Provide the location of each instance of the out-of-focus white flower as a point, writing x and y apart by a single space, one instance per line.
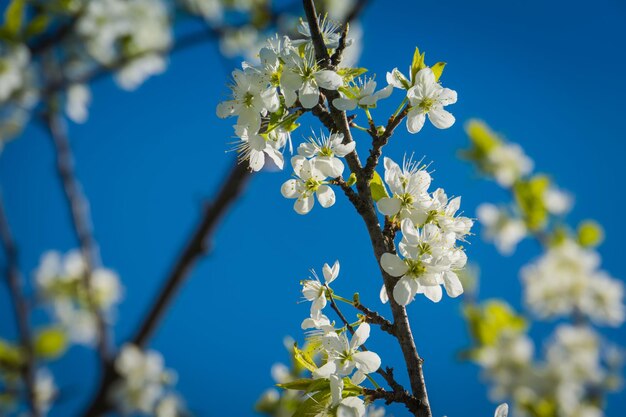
557 201
134 32
45 389
77 102
566 281
142 380
61 282
505 231
508 163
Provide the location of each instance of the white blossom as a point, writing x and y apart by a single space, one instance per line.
303 76
313 290
45 390
77 103
309 181
361 93
345 356
327 151
508 163
253 147
557 201
504 230
142 380
428 97
409 190
566 280
430 260
329 29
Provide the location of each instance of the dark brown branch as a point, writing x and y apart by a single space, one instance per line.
348 191
375 318
378 141
81 219
403 397
194 249
20 307
380 243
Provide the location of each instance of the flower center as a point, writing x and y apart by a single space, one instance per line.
312 184
415 268
427 104
325 151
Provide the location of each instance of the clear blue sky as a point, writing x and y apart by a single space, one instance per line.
550 75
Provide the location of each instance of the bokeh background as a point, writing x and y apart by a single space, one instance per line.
547 74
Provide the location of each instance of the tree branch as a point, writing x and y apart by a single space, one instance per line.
375 318
388 374
194 249
380 243
20 307
78 206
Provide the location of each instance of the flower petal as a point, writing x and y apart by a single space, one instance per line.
393 265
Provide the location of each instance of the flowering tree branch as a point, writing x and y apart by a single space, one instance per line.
78 206
381 244
20 307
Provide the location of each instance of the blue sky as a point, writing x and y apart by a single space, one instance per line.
549 75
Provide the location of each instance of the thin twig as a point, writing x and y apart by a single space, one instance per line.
375 318
20 307
78 206
388 376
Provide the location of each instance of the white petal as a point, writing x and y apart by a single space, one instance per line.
330 274
415 120
384 298
289 189
329 80
367 362
257 160
389 206
440 118
432 292
453 284
502 410
304 204
309 95
359 337
325 195
402 292
344 104
290 80
325 371
393 265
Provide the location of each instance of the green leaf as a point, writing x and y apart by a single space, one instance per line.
10 355
303 359
438 69
37 25
377 187
302 384
50 343
14 17
590 233
417 63
350 73
313 405
351 180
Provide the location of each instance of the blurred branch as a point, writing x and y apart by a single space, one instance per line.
20 306
81 218
194 249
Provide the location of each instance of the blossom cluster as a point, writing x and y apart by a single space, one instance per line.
430 230
576 368
343 357
65 283
566 281
144 384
